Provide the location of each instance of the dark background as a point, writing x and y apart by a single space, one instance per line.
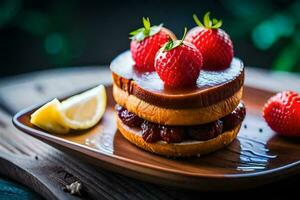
37 35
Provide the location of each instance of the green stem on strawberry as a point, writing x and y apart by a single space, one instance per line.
207 22
197 21
184 35
173 44
146 31
147 25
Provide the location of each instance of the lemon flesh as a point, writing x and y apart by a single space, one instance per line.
49 118
81 111
84 110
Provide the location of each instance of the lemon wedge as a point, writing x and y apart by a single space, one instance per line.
84 110
49 118
78 112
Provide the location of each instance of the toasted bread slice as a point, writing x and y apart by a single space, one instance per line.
183 117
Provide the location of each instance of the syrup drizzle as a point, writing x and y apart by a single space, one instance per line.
254 155
105 143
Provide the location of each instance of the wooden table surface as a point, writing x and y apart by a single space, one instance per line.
47 170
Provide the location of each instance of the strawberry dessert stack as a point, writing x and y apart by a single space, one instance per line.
181 97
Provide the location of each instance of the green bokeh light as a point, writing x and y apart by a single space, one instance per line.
54 43
34 22
269 31
8 9
288 59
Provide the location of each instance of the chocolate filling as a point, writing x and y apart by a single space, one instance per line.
152 132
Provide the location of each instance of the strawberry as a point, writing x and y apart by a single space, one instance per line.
213 42
146 42
282 113
178 63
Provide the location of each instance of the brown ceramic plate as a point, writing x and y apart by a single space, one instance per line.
256 157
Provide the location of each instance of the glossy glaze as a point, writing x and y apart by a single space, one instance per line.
123 65
254 158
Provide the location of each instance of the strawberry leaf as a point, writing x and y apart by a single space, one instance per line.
206 19
136 31
139 36
169 45
173 44
216 25
146 31
207 22
147 24
197 21
155 29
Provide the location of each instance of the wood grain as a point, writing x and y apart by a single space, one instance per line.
19 92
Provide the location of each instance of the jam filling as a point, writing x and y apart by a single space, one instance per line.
152 132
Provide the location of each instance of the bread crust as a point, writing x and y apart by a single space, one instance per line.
183 149
180 117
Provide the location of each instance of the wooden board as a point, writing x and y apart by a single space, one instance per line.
46 174
256 157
